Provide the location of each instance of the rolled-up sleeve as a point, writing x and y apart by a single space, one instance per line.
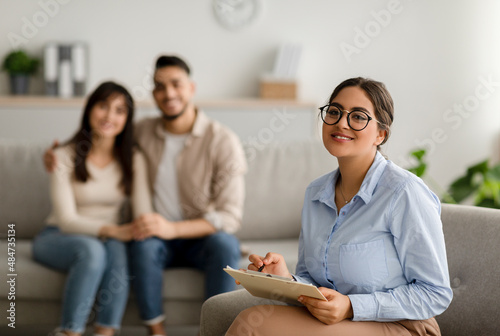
228 187
141 199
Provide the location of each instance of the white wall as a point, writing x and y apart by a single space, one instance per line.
432 55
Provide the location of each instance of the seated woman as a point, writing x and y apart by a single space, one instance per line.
371 238
96 171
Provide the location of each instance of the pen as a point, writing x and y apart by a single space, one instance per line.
261 268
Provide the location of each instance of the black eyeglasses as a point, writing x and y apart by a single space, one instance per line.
356 119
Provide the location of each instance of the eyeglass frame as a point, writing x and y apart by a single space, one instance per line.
348 116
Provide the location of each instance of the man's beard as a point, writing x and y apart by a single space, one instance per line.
173 117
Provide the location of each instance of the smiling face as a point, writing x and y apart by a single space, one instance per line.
344 142
173 91
108 117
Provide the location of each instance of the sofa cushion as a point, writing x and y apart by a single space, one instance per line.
278 175
24 191
472 237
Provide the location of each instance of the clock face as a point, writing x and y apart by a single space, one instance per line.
236 14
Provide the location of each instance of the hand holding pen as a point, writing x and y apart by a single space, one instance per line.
272 263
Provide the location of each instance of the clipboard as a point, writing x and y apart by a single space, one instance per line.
274 287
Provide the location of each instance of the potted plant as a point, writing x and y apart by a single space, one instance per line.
481 182
19 66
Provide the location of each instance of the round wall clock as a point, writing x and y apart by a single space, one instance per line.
236 14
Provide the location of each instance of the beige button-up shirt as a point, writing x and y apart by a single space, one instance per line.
210 169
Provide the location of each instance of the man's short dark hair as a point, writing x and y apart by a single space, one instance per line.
165 61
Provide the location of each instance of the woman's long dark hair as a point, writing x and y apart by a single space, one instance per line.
124 142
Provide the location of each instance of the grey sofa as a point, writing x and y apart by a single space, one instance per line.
277 177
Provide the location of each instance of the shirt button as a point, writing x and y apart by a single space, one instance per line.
343 213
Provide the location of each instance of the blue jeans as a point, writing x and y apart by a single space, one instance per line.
210 254
97 271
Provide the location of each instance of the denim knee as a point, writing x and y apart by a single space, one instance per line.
117 253
223 244
149 251
92 253
118 261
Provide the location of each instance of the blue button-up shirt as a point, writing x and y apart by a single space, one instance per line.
385 249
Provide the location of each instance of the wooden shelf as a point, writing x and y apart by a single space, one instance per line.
39 101
45 101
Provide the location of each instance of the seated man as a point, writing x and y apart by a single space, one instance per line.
196 168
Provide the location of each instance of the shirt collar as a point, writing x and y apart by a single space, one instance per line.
200 125
372 177
326 193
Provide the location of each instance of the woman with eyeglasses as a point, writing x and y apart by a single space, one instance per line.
371 236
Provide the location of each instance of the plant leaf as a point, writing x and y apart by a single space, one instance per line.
481 168
421 166
488 203
418 170
421 170
462 188
418 154
494 173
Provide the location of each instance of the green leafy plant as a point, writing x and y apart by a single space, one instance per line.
19 63
481 181
421 166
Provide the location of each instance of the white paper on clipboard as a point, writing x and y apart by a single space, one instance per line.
270 286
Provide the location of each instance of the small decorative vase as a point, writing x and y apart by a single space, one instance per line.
19 84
